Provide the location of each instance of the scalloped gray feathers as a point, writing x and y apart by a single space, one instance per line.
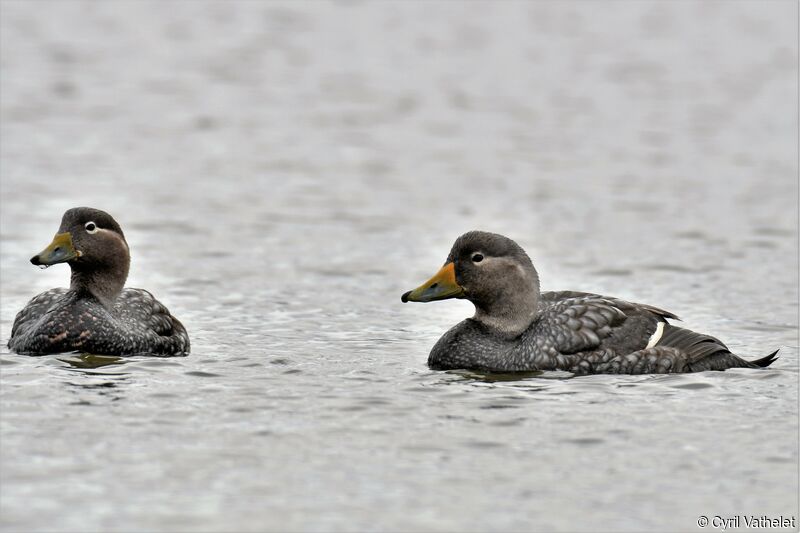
586 333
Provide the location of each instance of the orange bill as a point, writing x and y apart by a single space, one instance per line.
441 286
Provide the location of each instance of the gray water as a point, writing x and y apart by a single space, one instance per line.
285 171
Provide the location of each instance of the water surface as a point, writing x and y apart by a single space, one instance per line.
284 172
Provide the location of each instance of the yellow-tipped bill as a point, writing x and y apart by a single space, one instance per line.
441 286
60 250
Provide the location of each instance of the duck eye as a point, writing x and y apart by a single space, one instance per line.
91 227
477 258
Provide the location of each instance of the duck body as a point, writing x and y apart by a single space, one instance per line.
586 334
63 320
95 314
516 328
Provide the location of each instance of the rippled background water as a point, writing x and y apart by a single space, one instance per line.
284 171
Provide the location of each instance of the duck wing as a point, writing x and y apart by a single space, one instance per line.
30 315
139 310
580 322
598 334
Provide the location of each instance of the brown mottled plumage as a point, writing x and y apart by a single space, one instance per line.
517 328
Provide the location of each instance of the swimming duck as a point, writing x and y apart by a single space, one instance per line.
517 328
96 314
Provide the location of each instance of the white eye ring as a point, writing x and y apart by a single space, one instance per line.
91 227
477 257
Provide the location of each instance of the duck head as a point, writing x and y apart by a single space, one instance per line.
495 274
93 245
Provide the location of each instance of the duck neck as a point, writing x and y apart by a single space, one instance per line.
513 312
105 284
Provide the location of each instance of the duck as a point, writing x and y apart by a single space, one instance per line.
96 314
517 328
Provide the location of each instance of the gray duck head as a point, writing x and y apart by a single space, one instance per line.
93 245
495 274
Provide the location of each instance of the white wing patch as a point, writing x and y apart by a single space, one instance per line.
656 336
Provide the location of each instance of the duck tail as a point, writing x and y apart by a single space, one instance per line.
705 352
766 360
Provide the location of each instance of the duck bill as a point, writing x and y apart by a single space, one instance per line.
440 287
60 250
